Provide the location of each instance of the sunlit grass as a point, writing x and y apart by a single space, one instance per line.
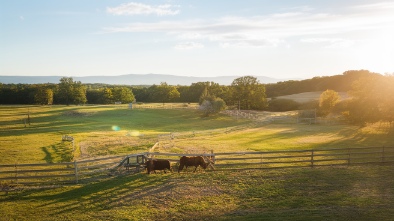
332 193
137 130
92 127
359 193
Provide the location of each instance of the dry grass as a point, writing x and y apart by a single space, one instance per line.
310 96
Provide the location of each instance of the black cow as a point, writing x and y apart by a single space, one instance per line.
158 164
192 161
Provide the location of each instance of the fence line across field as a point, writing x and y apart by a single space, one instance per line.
87 170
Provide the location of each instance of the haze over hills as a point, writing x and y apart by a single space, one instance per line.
132 79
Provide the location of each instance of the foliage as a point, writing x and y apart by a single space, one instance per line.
336 82
123 94
71 92
248 93
211 105
43 95
161 93
327 101
371 101
282 105
309 105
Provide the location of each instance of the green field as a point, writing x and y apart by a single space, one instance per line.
330 193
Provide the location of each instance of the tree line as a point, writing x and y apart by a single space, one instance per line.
247 92
371 94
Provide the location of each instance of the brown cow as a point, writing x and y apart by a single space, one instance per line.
192 161
158 164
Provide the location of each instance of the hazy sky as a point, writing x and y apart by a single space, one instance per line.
280 39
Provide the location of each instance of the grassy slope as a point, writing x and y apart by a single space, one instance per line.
358 193
309 96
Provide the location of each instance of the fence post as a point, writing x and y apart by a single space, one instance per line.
16 173
76 171
212 157
261 161
312 162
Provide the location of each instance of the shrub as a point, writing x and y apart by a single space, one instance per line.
212 106
282 105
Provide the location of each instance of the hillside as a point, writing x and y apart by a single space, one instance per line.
309 96
341 82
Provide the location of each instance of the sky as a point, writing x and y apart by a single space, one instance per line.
279 39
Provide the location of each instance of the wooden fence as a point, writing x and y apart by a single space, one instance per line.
292 158
87 170
57 173
304 158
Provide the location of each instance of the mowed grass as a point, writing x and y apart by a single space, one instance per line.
338 193
321 193
105 130
116 130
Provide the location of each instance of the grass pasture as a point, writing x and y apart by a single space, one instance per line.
322 193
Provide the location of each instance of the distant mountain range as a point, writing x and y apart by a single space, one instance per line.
132 79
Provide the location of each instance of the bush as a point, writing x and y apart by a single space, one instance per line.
309 105
212 106
282 105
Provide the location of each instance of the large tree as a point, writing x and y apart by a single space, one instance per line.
371 100
328 100
248 93
123 94
71 91
43 95
163 93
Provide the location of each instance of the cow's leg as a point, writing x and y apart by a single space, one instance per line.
180 167
195 169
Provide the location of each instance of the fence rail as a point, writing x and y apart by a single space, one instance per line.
86 170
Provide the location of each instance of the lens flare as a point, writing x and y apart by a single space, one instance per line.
116 128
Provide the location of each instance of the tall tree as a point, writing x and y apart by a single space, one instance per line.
66 90
107 96
79 93
71 91
371 100
248 93
328 100
43 95
165 93
123 94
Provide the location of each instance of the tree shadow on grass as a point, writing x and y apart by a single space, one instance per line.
355 193
102 195
56 153
335 193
